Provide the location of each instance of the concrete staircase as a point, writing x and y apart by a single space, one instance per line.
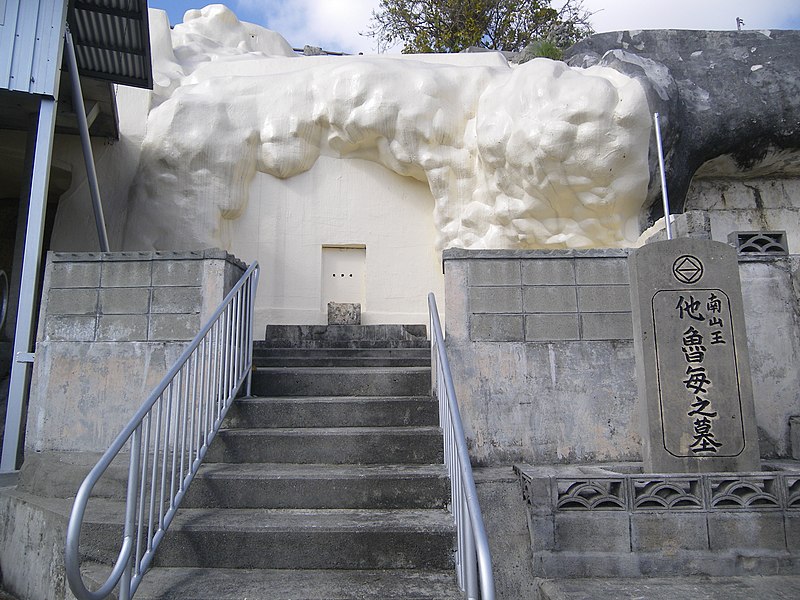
327 485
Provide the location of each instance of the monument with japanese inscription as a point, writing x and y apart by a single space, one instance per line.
692 363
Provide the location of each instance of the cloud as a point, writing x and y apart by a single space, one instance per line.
335 24
693 14
330 24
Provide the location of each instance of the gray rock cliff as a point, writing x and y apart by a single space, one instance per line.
729 94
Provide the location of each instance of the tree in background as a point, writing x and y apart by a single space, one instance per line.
453 25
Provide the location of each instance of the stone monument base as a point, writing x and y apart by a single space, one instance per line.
615 521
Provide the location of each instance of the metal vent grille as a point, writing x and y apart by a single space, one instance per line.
759 243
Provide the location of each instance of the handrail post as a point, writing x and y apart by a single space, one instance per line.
130 510
470 562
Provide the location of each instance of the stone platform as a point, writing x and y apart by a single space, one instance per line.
345 336
615 521
670 588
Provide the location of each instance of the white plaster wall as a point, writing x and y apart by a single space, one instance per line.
116 162
339 202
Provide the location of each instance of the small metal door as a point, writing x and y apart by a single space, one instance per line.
343 270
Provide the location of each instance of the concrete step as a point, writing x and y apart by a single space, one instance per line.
318 486
164 583
671 588
335 445
296 539
345 336
313 360
333 411
341 381
341 357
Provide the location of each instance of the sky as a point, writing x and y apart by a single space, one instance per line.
335 24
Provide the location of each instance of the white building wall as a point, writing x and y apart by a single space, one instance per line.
339 203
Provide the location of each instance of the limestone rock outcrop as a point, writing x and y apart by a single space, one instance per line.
729 100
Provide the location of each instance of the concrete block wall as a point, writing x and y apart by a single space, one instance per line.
542 356
556 296
132 296
110 327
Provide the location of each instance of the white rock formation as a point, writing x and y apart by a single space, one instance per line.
534 156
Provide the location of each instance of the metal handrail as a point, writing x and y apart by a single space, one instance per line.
169 436
473 558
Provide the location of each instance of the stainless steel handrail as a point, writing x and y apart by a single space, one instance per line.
169 436
473 558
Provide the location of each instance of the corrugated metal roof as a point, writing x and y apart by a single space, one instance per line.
112 40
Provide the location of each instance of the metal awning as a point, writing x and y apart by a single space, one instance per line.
112 40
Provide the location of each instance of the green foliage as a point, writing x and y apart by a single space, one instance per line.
453 25
541 48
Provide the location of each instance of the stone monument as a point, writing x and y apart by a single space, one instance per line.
692 363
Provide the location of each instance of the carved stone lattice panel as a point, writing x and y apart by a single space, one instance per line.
526 483
668 493
591 494
717 492
759 243
792 491
745 492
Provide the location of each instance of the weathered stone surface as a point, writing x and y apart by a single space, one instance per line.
495 299
497 328
125 301
692 363
122 328
663 532
505 521
719 93
753 201
344 313
669 588
606 326
604 532
103 346
541 383
754 530
548 328
771 310
177 272
614 521
176 300
794 432
692 223
75 274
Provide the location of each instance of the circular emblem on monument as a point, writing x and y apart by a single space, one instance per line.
687 269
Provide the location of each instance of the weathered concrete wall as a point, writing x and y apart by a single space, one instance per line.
754 204
111 326
32 539
543 363
772 315
504 516
542 358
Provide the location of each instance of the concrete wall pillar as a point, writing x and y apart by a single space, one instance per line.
111 325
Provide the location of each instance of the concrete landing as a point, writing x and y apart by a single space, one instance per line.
344 336
672 588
